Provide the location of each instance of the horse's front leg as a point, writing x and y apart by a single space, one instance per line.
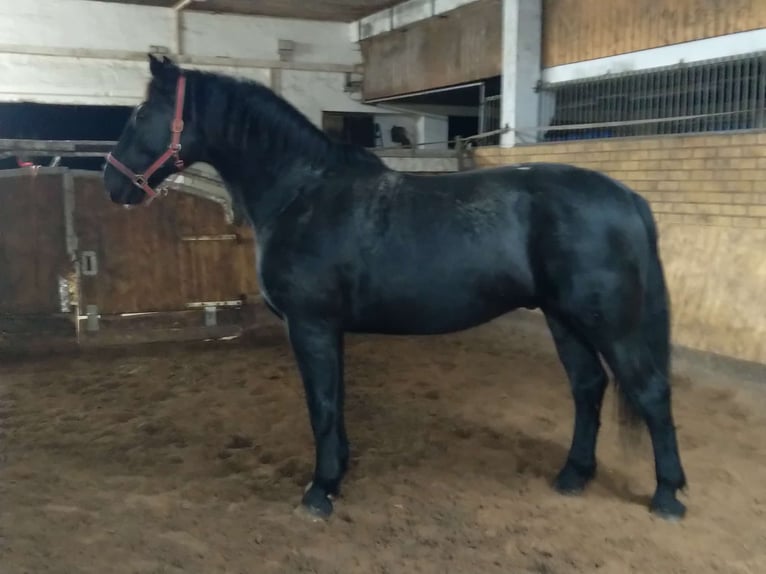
318 349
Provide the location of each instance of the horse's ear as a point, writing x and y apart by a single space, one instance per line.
162 68
156 64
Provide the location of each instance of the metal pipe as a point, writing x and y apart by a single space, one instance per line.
482 107
181 4
424 93
178 26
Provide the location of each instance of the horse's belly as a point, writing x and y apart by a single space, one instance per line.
419 324
435 310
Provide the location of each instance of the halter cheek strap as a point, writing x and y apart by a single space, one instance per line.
141 180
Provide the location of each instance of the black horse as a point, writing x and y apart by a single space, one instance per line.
347 245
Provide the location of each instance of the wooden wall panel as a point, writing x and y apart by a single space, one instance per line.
32 244
461 46
214 270
577 30
144 262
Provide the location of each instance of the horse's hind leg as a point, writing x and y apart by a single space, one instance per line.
643 381
588 382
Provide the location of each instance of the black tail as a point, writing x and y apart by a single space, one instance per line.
654 328
655 323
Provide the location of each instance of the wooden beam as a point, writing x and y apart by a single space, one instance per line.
68 148
124 55
460 46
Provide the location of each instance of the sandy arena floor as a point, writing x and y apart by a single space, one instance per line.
191 459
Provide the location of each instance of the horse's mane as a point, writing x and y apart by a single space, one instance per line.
249 115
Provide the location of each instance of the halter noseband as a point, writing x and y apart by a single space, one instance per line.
141 180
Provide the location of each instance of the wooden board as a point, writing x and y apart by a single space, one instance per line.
145 263
33 251
459 46
577 30
214 267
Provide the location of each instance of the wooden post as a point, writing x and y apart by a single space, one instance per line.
459 147
276 80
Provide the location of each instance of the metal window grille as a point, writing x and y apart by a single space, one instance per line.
714 95
490 119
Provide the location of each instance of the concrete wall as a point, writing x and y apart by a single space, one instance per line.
522 41
421 129
707 192
407 121
84 52
433 132
313 92
401 15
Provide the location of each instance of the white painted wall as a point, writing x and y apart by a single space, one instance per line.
387 121
83 24
130 27
91 81
522 47
736 44
315 92
401 15
87 52
421 128
433 132
238 36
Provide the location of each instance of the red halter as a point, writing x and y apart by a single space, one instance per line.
141 180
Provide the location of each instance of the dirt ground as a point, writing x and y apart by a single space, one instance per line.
192 457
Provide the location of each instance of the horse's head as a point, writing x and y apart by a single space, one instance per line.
158 140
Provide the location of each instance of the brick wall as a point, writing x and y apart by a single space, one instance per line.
708 194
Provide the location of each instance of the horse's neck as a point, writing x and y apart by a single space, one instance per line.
258 185
265 174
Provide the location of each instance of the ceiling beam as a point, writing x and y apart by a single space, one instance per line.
321 10
125 55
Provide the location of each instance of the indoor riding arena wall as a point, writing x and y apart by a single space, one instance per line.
707 194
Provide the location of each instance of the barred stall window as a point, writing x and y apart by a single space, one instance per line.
489 112
714 95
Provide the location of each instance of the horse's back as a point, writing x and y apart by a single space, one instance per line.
573 238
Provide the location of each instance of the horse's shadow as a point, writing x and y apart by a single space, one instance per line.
390 433
400 435
394 432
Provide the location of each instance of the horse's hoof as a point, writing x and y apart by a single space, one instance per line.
571 481
305 513
665 505
317 503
